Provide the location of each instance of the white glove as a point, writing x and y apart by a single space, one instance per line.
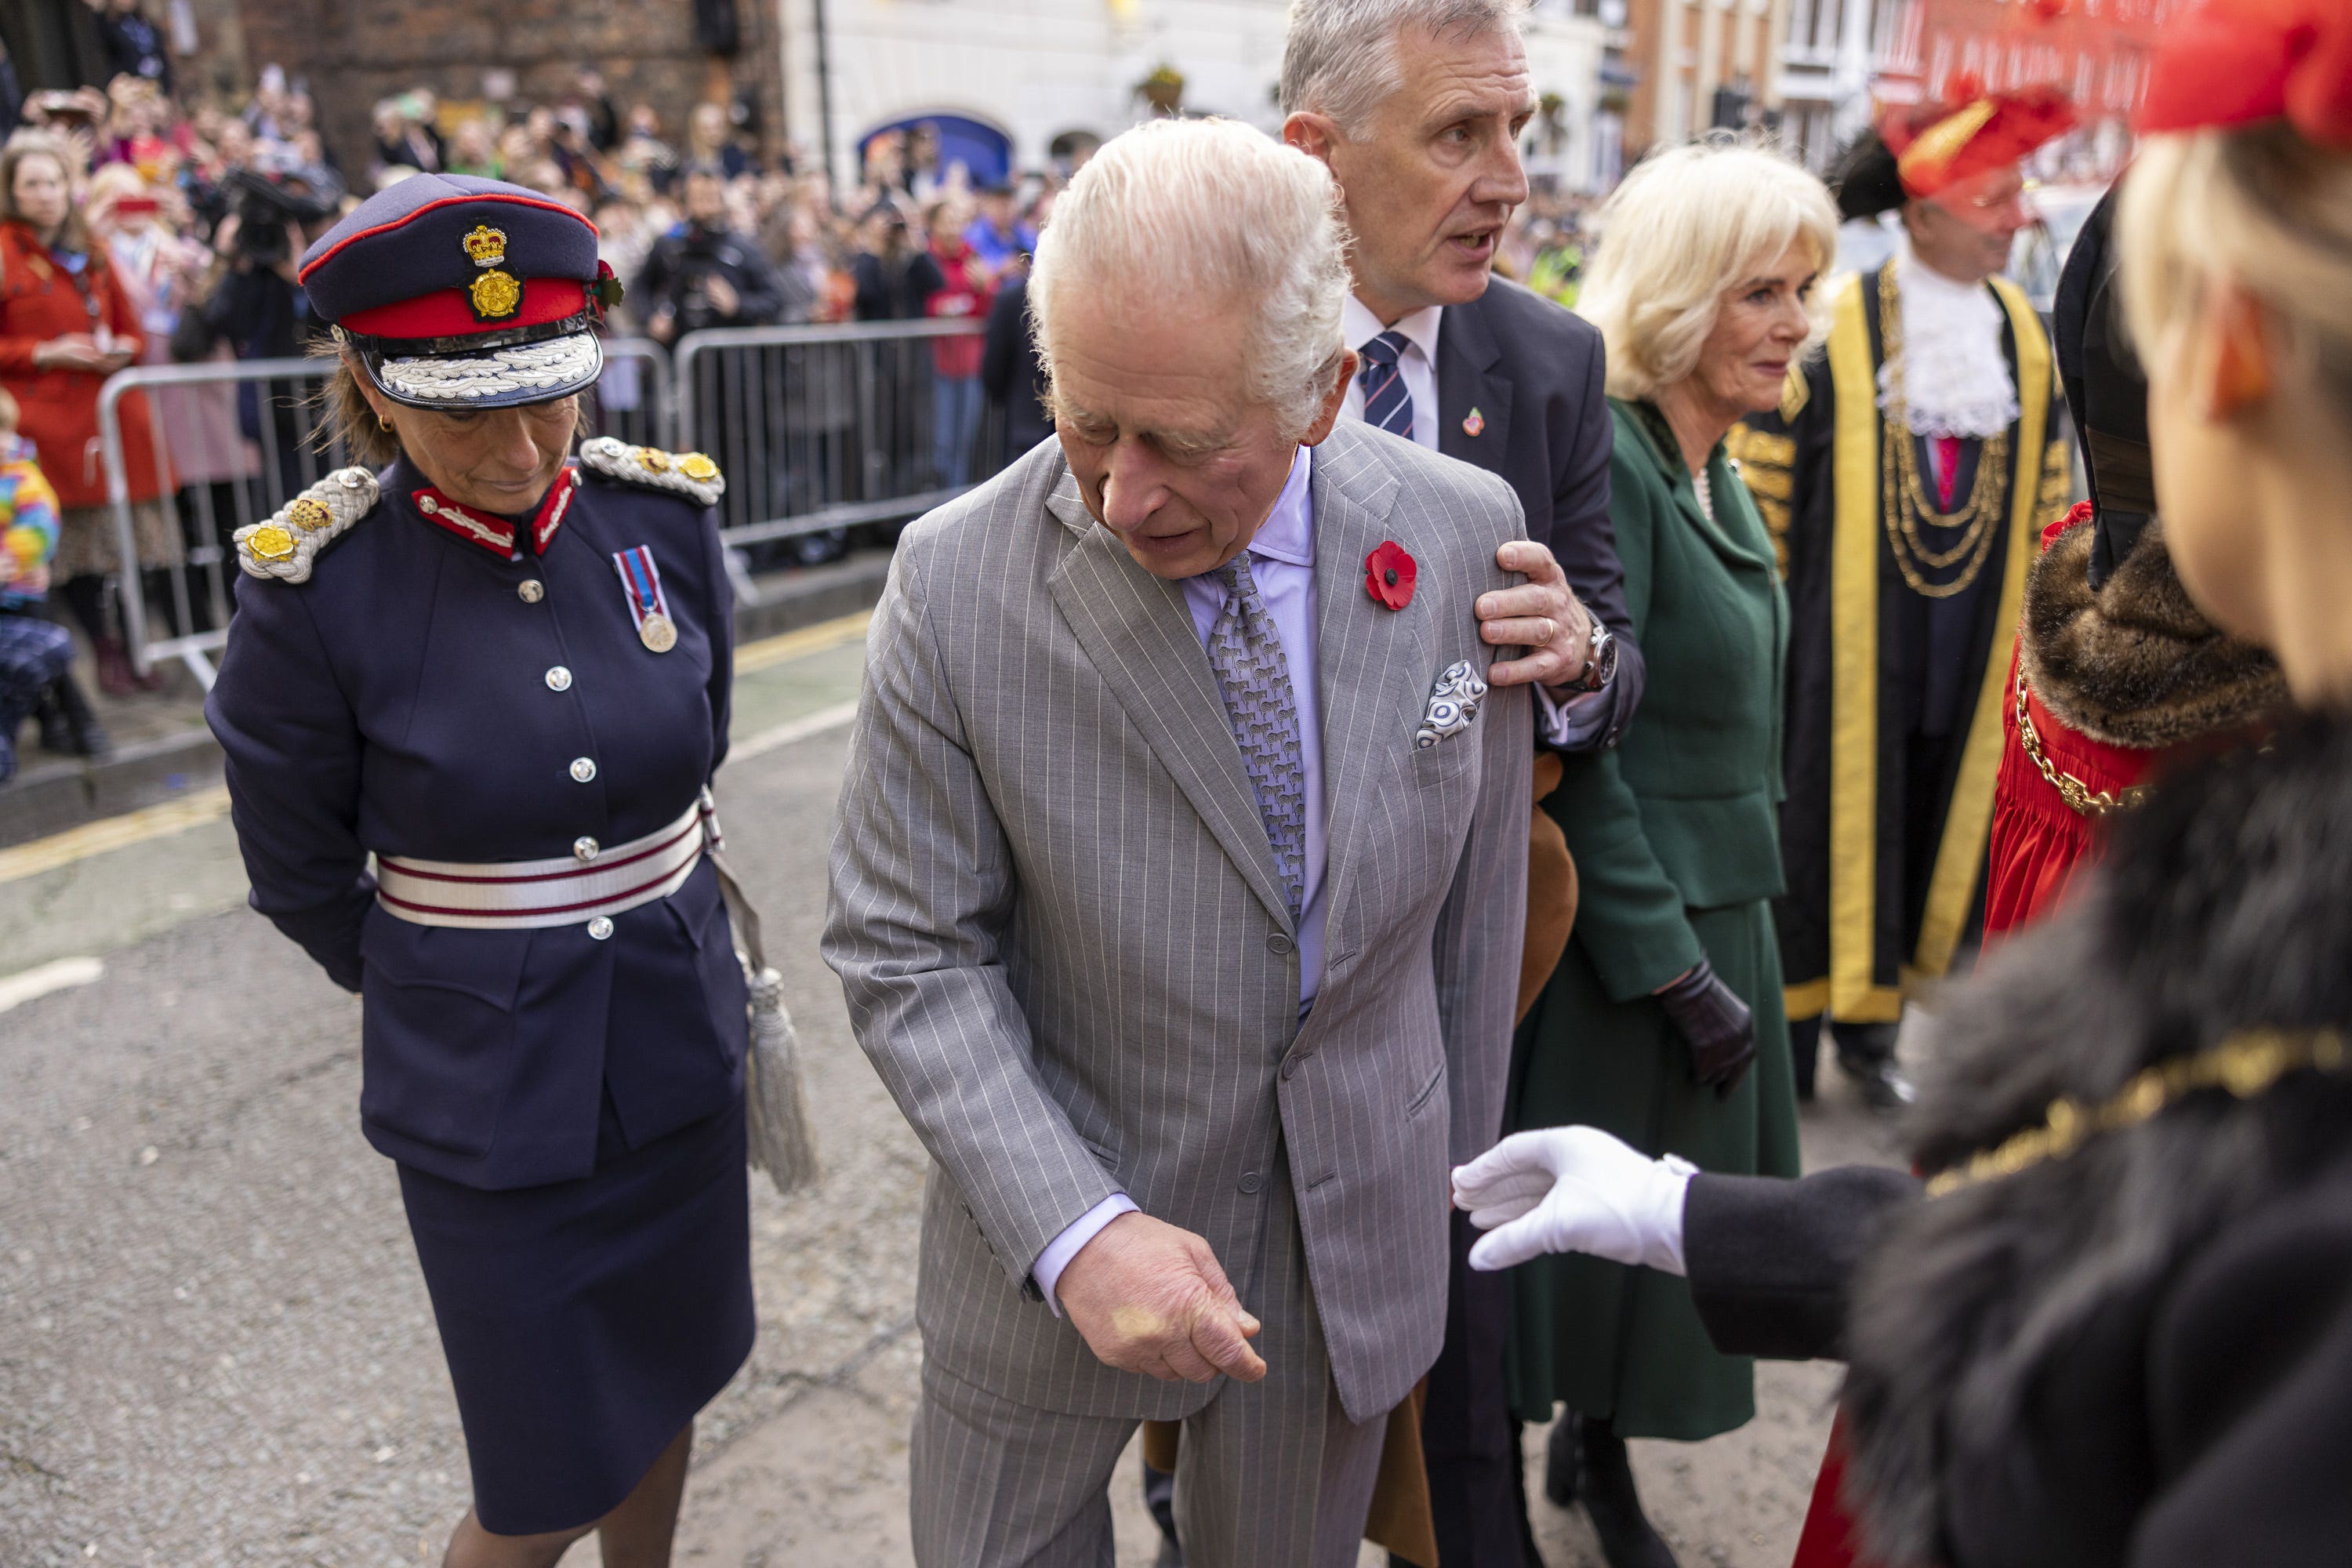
1574 1189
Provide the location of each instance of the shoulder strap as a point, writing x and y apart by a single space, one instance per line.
690 475
285 545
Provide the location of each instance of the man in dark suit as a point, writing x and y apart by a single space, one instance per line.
1421 129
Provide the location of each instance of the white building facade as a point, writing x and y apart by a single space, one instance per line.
1042 71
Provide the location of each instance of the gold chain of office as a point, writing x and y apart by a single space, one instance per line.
2084 800
2246 1064
1903 505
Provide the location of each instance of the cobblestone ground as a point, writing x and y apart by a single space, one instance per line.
214 1348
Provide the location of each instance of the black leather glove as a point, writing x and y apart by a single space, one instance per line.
1715 1024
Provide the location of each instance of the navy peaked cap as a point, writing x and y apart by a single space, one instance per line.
409 241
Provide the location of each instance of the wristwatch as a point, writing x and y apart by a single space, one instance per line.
1600 659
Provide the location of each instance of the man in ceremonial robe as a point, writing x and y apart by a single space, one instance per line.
1905 477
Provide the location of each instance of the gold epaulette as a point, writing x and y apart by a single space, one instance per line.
689 474
285 545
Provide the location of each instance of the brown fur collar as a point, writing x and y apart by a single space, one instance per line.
2136 664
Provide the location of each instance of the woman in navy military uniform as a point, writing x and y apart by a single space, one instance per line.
508 682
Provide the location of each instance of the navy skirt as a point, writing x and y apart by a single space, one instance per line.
587 1321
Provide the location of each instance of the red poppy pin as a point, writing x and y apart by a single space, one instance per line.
1388 575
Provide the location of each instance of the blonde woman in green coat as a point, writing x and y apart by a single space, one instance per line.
1662 1023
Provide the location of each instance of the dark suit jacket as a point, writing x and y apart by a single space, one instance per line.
1532 374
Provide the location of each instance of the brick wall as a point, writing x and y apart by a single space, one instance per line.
355 52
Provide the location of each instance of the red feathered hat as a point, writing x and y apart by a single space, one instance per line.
1939 145
2234 62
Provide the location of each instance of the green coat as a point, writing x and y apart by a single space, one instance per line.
1676 845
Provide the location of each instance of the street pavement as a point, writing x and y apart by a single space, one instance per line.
214 1346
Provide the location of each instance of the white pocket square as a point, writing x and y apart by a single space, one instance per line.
1453 703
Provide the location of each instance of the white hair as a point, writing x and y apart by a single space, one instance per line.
1208 210
1686 224
1340 57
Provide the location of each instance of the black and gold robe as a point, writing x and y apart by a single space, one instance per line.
1893 697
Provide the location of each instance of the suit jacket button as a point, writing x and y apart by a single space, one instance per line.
583 770
601 927
1280 945
1289 1069
1250 1181
528 591
584 849
559 680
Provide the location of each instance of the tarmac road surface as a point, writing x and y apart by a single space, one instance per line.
214 1347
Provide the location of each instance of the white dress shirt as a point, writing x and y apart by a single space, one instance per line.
1282 564
1417 364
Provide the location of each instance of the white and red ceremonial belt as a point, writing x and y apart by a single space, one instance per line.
519 895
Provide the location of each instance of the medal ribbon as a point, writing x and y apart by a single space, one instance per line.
641 583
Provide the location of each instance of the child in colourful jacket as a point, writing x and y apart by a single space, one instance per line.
34 651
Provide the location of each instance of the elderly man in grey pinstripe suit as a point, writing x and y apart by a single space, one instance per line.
1179 879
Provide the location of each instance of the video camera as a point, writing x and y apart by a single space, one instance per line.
266 204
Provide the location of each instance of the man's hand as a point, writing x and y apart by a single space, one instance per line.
1150 1297
1541 615
722 295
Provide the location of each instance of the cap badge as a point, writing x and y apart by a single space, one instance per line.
494 295
486 246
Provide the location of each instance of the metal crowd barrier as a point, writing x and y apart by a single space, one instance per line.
245 436
820 430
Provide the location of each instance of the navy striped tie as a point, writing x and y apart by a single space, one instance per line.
1388 401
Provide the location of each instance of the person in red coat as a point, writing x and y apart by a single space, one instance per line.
2117 674
65 326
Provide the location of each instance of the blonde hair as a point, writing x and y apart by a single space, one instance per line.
1210 204
9 412
2263 206
1684 226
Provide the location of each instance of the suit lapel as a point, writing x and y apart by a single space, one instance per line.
1467 380
1370 659
1139 635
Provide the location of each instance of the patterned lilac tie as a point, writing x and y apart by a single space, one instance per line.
1388 401
1246 653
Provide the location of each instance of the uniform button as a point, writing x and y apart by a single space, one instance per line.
530 591
584 849
1250 1182
559 680
600 928
1280 945
582 769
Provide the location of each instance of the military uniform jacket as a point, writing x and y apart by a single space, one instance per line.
421 695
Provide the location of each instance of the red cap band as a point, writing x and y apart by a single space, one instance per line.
449 312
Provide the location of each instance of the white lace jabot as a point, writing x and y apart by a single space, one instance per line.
1955 378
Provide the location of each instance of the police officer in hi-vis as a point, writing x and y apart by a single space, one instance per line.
506 678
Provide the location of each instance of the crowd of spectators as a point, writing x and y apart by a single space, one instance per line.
174 223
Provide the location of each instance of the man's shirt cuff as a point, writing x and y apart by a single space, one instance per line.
1574 723
1047 1271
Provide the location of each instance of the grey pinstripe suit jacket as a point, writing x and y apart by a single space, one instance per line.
1067 947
